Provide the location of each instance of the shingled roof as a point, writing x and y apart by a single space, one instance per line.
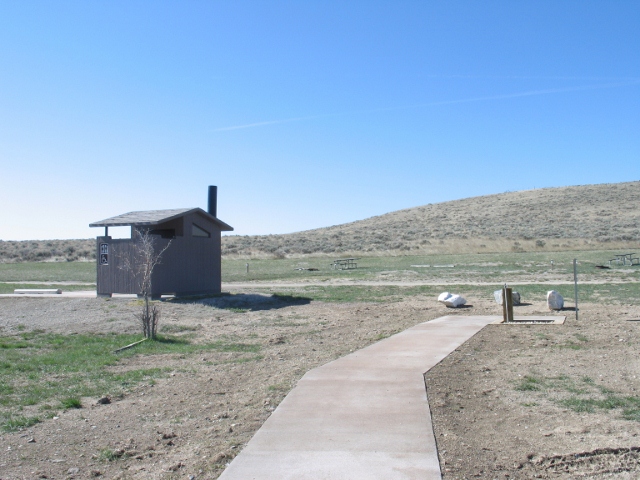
156 217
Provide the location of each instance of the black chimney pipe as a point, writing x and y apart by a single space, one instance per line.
213 200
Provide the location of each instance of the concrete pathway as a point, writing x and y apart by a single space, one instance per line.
363 416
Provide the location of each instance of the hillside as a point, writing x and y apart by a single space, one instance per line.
47 250
580 217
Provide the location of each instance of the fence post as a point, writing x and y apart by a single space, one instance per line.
575 285
507 304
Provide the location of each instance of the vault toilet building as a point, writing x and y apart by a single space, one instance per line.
191 265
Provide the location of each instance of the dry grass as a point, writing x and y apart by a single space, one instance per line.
47 250
552 219
586 217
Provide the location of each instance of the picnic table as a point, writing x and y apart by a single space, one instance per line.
345 263
622 258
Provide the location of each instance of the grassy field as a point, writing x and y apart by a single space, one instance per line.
525 271
34 272
46 275
628 293
53 372
473 267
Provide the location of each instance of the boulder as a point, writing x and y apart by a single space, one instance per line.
554 300
498 297
451 300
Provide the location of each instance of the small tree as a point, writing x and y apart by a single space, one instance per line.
143 261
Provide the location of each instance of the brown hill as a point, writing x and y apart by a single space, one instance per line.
580 217
13 251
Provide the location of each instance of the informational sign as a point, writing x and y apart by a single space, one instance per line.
104 254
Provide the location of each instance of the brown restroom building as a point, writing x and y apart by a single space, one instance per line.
191 265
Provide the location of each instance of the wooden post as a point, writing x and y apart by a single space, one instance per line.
507 304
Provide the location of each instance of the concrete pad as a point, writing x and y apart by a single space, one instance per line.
363 416
37 291
535 320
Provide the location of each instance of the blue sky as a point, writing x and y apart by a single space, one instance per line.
306 113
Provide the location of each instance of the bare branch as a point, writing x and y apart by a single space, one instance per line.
141 263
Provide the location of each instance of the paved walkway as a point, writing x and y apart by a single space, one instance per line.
363 416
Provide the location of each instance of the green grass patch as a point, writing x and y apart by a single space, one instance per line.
37 368
173 328
48 272
12 424
529 383
222 346
630 405
70 402
582 396
278 387
108 455
476 266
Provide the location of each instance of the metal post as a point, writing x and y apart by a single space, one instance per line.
247 268
504 304
575 285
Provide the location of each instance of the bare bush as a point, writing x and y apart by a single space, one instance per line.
143 261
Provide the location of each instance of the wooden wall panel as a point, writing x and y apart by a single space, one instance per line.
191 265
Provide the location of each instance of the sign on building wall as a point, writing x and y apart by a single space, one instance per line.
104 254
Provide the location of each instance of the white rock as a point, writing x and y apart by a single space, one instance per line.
554 300
497 295
451 300
443 296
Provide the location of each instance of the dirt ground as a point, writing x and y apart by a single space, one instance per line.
496 401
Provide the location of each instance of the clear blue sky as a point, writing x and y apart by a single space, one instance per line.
306 113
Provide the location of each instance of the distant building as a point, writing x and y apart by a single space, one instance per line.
191 265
